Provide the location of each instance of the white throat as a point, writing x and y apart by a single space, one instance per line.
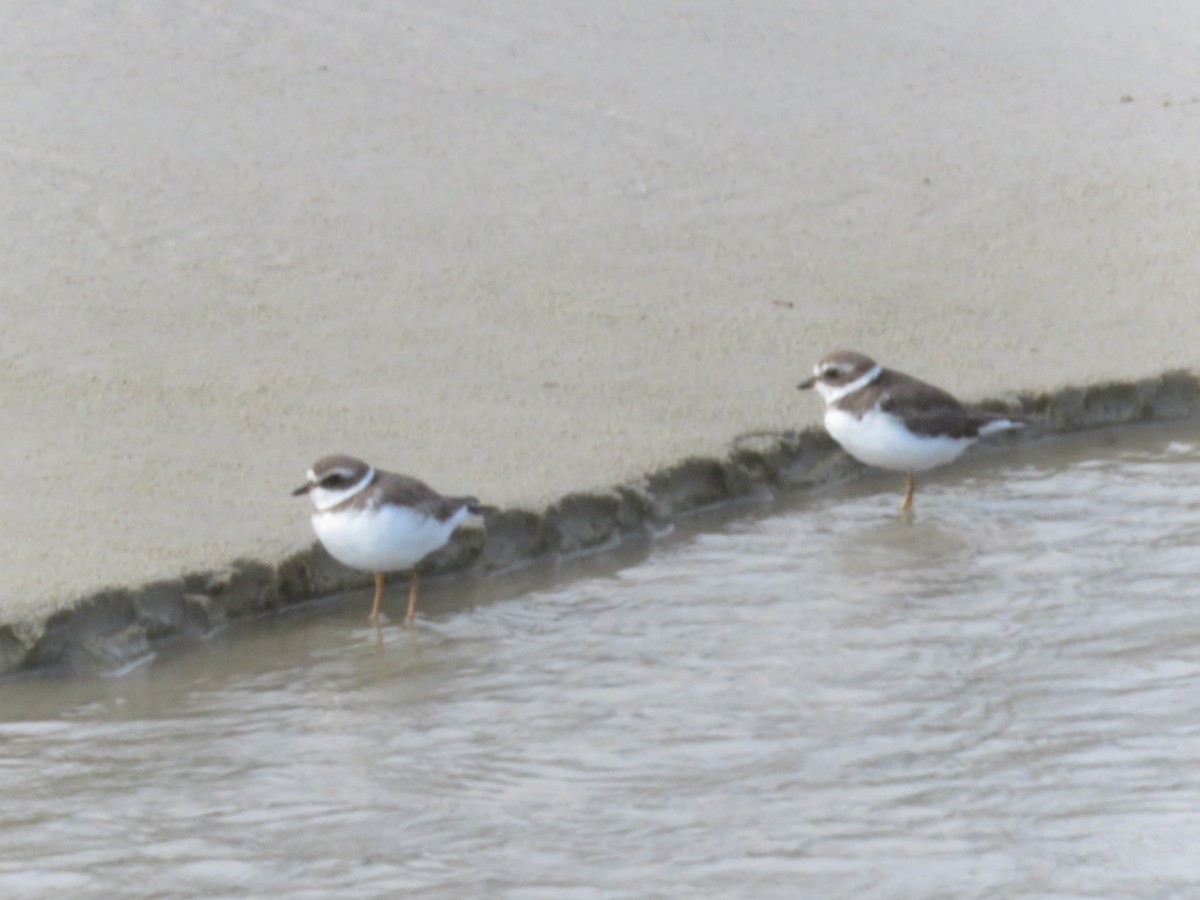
833 394
324 498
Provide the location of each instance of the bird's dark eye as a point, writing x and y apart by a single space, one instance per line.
335 480
831 374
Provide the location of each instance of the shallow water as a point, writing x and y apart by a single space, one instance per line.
807 698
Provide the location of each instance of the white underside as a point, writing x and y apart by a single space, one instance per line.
383 539
880 439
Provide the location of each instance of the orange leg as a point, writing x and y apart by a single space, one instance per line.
909 487
412 597
378 596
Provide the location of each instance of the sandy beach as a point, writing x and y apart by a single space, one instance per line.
521 250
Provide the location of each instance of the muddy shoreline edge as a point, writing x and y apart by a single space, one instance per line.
114 627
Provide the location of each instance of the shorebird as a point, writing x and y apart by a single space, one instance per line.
378 521
891 420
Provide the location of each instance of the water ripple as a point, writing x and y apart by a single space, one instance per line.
1000 699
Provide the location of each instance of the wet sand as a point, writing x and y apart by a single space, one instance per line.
523 256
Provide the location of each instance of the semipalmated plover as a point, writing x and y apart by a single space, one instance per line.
894 421
380 522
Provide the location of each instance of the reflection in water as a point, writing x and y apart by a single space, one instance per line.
1001 699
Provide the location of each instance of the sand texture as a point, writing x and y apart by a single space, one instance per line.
522 251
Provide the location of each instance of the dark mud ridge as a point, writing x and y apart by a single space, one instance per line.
114 628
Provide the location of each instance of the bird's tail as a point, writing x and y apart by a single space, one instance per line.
475 508
1000 423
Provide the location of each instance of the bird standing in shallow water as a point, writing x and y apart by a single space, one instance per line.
378 521
891 420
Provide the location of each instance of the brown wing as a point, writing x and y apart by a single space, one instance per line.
420 496
927 409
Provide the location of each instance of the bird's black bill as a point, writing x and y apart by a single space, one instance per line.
303 489
807 385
